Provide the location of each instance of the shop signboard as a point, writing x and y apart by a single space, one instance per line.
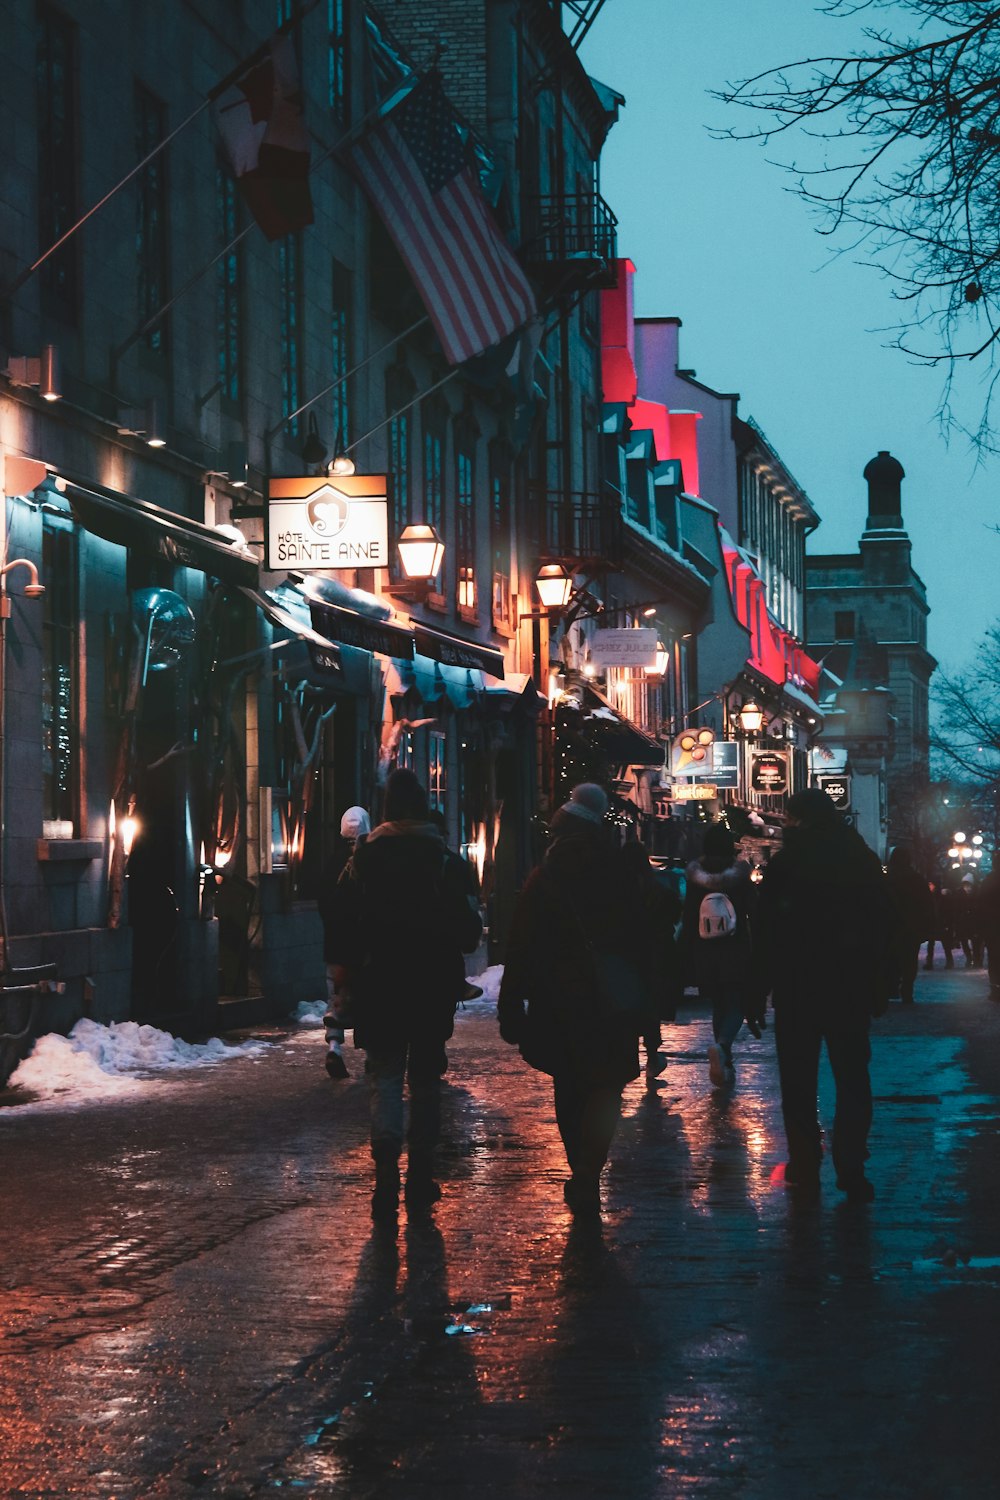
838 789
623 648
319 524
769 771
695 791
725 764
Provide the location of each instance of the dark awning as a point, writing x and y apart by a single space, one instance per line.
183 542
622 741
456 651
363 631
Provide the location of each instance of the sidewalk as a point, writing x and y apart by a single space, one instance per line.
194 1303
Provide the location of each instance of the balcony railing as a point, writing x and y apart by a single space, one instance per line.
569 229
576 526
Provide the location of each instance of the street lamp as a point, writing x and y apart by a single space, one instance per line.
751 717
554 585
421 552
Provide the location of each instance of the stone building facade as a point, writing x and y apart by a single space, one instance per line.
874 597
221 712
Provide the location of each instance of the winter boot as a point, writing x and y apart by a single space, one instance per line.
421 1190
335 1064
385 1199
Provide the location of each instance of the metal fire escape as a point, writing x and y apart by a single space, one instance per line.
583 13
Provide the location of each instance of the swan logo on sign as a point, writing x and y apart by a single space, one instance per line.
328 511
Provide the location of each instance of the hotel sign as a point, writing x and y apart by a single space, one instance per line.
320 524
623 648
769 771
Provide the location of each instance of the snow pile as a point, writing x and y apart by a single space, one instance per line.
97 1061
310 1012
489 982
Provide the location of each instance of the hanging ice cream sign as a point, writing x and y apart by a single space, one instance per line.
314 522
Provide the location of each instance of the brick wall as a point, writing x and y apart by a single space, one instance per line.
461 25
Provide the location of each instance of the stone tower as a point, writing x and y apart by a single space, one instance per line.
875 594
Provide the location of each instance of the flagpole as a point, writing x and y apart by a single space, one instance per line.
543 312
210 97
155 318
421 396
272 432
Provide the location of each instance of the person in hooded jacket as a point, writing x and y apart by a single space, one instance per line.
824 948
719 965
569 917
654 910
911 898
403 919
355 825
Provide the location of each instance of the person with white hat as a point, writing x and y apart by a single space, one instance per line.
355 826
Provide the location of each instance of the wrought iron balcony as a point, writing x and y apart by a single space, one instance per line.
568 231
576 526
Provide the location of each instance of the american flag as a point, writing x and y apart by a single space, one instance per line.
414 167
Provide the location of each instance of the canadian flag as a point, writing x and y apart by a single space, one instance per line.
264 132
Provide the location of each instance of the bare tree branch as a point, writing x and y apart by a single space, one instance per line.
905 142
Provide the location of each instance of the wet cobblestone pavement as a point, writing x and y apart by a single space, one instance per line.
193 1303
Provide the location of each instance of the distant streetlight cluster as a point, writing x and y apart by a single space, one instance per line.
965 851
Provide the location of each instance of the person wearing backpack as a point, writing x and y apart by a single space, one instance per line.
715 940
825 942
572 942
355 826
403 917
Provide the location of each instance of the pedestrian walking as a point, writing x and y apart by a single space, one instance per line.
355 825
989 926
823 948
940 929
967 931
911 899
715 940
403 918
572 996
656 909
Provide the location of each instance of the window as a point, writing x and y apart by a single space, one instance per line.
501 539
228 287
433 423
340 350
465 516
60 748
55 114
290 272
336 59
437 772
399 390
843 625
151 215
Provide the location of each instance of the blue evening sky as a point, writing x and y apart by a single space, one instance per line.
768 310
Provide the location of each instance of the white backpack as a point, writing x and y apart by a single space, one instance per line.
716 916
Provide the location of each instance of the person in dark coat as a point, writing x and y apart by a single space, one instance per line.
941 927
403 918
354 826
966 915
823 948
989 926
911 898
719 965
567 919
655 909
